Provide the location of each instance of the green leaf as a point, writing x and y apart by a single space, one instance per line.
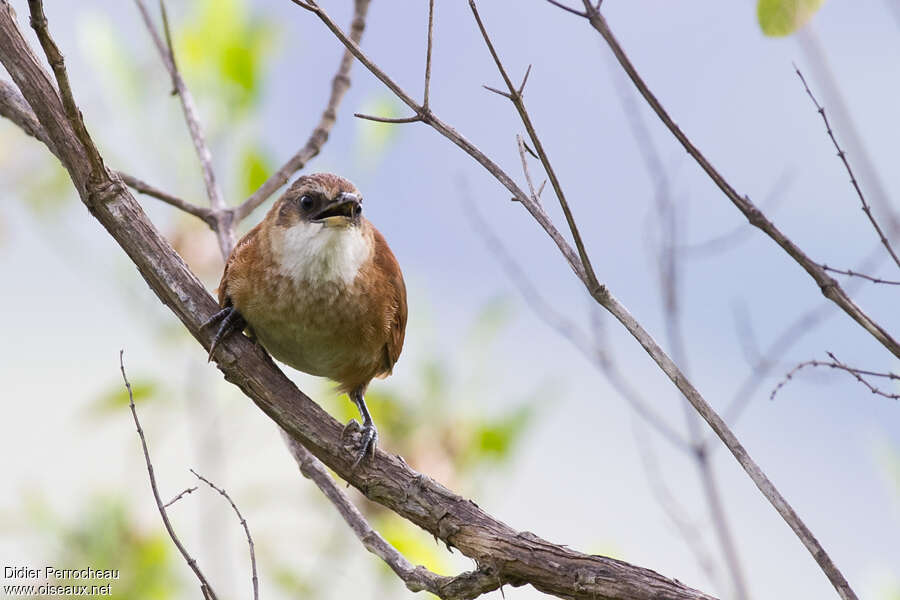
117 397
778 18
255 169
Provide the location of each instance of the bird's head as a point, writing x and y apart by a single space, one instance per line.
319 201
316 230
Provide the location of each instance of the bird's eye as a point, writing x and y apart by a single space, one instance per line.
306 202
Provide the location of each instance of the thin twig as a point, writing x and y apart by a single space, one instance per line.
413 119
339 85
669 262
417 578
843 156
243 522
204 584
15 108
852 273
189 490
834 363
145 188
224 229
515 96
568 9
830 288
565 327
428 55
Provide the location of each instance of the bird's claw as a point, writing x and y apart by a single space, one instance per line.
367 440
231 321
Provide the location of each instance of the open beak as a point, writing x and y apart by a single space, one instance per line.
343 211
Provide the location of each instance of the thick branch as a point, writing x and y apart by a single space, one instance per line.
386 479
462 587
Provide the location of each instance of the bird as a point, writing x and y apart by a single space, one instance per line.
316 284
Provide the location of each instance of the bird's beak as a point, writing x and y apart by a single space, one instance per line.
343 211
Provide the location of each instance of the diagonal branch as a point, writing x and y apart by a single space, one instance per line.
605 298
515 96
417 578
339 86
14 107
517 556
830 288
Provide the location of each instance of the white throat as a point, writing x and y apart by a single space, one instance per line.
313 253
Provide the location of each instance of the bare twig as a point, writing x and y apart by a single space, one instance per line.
428 55
189 490
205 214
204 584
339 85
243 523
830 288
224 227
515 96
843 156
565 327
669 279
417 578
396 120
603 296
834 363
14 107
852 273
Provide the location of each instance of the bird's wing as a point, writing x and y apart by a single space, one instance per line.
396 306
237 256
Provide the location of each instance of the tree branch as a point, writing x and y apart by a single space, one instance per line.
462 587
224 230
603 297
254 579
830 288
204 583
339 86
843 156
515 96
516 556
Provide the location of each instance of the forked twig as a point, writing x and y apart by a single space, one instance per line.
243 523
204 584
843 156
834 363
417 578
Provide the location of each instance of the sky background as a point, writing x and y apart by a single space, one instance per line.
72 299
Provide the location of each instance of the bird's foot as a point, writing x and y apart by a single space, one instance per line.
368 438
231 321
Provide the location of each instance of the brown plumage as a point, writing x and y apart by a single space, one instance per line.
320 289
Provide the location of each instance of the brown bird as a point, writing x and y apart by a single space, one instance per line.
317 285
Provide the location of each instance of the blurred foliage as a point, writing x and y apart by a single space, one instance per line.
105 535
255 167
225 48
116 397
778 18
374 137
